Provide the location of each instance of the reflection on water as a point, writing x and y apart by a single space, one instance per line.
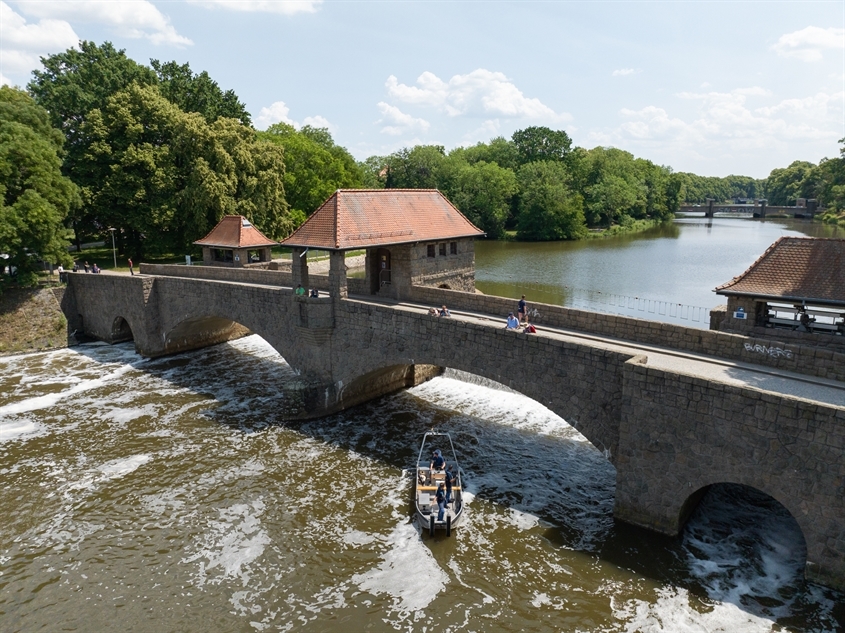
677 263
169 495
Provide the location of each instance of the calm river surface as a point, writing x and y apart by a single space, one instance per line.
665 274
168 495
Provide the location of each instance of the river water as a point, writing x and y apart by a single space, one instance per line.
665 274
169 495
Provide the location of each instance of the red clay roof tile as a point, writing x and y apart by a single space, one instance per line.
795 269
235 231
361 218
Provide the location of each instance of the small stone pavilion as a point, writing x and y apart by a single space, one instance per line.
798 284
236 243
410 236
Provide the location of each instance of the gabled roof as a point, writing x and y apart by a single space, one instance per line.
235 231
361 218
795 269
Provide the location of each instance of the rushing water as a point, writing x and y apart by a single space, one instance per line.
170 495
666 274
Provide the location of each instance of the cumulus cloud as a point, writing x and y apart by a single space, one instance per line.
129 18
399 122
22 43
481 93
278 113
622 72
726 122
809 43
284 7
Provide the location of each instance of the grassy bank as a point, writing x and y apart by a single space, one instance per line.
635 226
31 320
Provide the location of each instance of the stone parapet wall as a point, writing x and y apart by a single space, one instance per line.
813 361
679 434
219 273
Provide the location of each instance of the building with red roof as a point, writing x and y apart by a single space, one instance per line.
410 237
235 242
798 283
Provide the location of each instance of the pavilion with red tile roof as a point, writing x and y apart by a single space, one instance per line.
236 242
410 237
796 278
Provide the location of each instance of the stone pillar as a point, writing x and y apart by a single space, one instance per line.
709 212
299 267
763 208
337 275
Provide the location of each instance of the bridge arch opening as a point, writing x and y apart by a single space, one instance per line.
199 332
736 532
121 330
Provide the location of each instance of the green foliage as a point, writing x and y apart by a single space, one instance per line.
541 143
785 186
315 166
483 192
697 189
198 93
417 168
548 208
34 196
164 177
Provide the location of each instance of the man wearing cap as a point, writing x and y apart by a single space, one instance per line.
437 461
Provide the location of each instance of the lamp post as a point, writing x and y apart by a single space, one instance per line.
113 249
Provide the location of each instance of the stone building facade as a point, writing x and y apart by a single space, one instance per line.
236 243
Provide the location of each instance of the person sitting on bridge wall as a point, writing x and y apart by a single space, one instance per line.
314 293
299 290
513 322
432 312
444 312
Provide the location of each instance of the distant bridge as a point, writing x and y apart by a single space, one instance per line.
675 409
756 210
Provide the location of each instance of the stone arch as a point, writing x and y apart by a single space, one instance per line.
755 493
445 286
121 330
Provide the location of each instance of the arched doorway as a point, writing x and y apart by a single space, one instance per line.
380 274
120 331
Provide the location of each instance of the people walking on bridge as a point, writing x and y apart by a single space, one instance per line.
513 322
521 310
131 270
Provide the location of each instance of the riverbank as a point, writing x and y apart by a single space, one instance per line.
31 320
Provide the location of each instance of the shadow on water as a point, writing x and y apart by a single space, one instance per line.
559 478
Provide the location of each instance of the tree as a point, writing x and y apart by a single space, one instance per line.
549 209
198 93
34 195
541 143
483 193
165 177
417 168
785 186
314 166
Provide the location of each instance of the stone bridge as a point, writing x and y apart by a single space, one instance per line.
674 409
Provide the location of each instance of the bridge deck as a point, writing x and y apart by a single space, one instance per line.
716 369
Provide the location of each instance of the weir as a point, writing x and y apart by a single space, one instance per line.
670 430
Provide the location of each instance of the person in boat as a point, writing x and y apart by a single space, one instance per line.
450 479
440 497
437 461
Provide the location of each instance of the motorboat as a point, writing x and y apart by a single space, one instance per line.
429 476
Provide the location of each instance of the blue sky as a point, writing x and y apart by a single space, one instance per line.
709 87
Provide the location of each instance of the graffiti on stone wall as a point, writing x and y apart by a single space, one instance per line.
774 352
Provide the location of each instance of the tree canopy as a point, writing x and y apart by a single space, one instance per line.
35 196
165 177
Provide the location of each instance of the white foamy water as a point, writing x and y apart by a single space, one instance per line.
173 486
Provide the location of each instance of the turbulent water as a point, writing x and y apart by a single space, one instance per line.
169 495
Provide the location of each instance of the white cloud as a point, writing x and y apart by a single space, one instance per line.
319 121
724 123
481 93
808 44
129 18
4 81
285 7
276 113
399 122
21 44
622 72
